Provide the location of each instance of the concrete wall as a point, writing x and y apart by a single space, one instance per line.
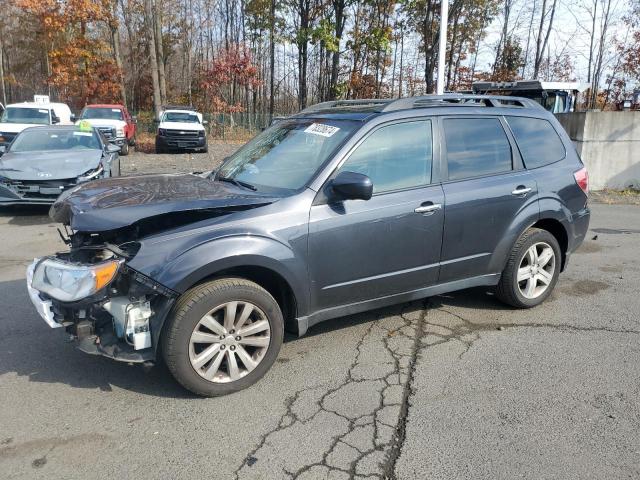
609 144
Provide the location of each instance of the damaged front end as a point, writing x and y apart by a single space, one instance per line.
109 308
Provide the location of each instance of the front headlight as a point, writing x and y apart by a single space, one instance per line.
119 132
69 282
91 174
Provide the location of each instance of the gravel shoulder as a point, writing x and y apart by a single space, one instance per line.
137 163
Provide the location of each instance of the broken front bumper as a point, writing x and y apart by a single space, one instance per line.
124 326
17 192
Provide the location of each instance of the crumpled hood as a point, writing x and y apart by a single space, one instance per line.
181 126
118 202
48 165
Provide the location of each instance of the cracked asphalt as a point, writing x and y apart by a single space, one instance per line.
453 387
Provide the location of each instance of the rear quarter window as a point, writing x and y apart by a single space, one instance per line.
476 147
537 140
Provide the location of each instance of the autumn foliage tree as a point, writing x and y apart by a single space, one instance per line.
80 64
230 74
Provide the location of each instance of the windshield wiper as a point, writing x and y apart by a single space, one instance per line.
238 183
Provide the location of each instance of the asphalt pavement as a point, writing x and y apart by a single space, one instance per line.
453 387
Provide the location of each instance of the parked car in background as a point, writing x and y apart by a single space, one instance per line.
342 208
181 128
43 162
114 122
18 116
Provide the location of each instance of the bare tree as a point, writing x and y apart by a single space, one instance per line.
543 37
153 56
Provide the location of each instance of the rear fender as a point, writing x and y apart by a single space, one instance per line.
522 221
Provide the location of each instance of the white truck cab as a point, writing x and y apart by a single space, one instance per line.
181 128
18 116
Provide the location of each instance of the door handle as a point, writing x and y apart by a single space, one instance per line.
521 190
428 209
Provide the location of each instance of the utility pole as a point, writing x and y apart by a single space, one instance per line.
442 47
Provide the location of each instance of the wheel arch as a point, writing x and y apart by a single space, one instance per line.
269 263
557 229
269 279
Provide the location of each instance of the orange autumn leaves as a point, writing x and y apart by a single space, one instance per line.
80 61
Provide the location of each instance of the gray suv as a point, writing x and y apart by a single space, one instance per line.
344 207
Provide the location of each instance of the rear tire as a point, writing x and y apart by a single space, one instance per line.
532 270
222 336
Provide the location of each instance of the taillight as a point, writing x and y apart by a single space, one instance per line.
582 179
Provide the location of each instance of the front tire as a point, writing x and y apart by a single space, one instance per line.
222 336
532 270
124 149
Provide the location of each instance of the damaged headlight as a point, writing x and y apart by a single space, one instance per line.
91 174
68 282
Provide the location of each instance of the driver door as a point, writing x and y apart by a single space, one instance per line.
361 250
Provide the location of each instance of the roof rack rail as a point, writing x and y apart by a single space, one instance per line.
446 100
367 102
462 100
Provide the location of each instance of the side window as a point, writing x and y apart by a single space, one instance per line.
475 147
395 157
537 140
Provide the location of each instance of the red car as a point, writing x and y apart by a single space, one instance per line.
115 123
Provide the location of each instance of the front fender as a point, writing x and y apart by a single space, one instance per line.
206 259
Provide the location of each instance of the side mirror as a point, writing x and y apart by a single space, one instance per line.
204 122
72 118
352 186
55 119
111 148
3 149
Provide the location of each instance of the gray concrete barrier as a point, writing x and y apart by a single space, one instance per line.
609 144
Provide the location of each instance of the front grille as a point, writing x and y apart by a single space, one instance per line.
108 132
7 137
39 189
177 134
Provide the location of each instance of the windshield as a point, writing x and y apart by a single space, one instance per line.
180 117
38 139
287 155
101 114
26 115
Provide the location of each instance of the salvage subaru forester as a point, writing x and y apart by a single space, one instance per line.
344 207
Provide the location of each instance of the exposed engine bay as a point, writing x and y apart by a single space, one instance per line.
120 320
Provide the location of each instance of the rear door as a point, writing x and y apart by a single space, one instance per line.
486 188
360 250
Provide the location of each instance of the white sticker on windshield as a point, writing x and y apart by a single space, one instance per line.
115 109
321 129
83 134
43 111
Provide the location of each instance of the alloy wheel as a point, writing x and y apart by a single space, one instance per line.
229 341
536 270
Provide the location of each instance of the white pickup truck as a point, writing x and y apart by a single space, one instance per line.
18 116
181 128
